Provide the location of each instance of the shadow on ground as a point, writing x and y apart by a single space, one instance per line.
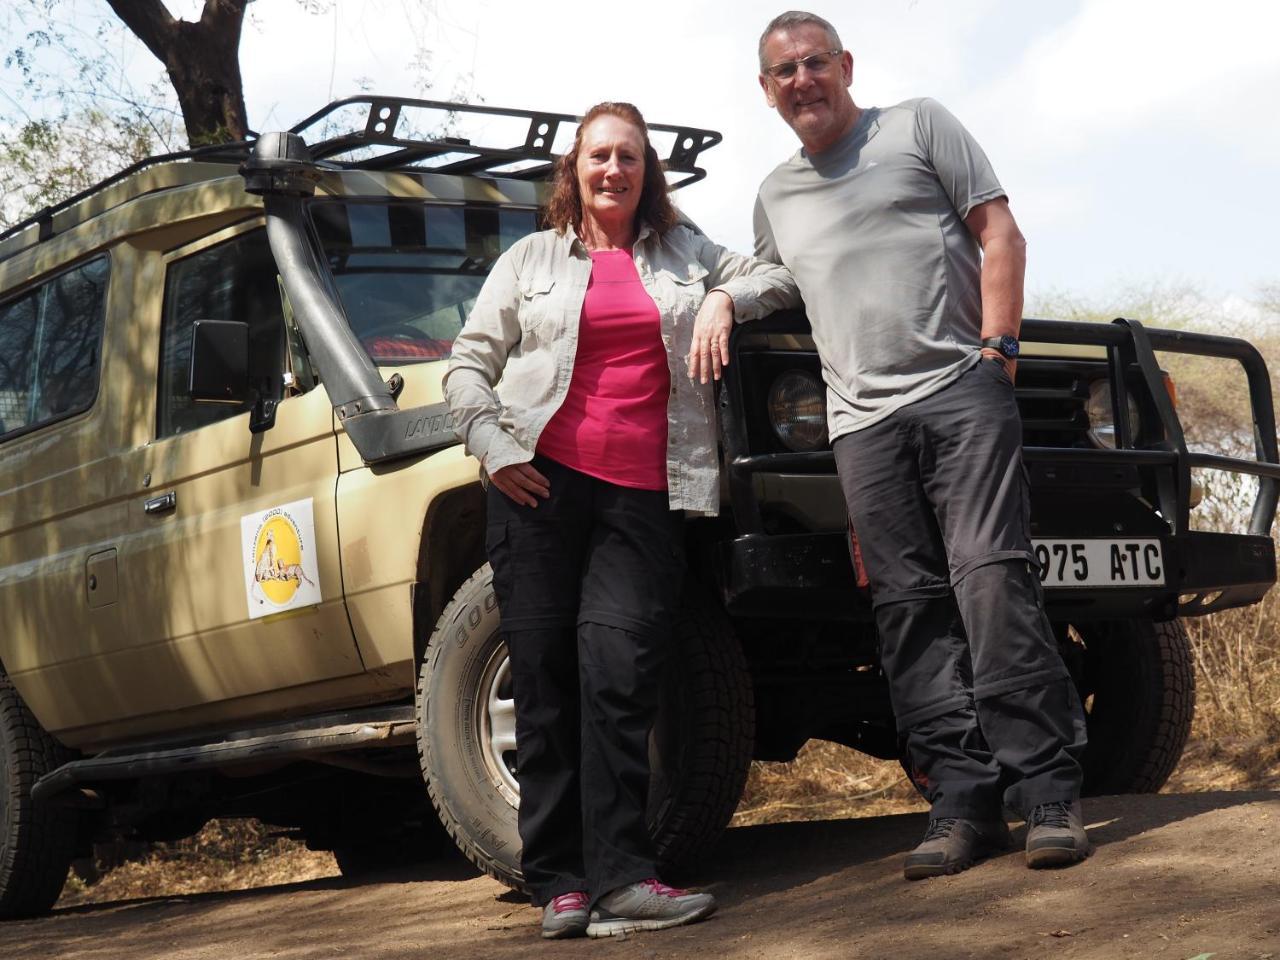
1173 876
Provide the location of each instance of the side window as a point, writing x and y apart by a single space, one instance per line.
51 347
235 280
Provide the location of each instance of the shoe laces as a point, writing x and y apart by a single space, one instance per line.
656 886
573 900
940 828
1050 815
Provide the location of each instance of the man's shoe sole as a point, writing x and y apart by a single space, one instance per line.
925 871
623 925
1046 858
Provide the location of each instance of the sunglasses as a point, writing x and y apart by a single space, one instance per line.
815 63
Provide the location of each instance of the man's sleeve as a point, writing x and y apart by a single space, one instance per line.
963 169
766 247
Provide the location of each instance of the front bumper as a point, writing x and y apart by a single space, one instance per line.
1077 492
809 576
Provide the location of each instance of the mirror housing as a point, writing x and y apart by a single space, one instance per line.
219 362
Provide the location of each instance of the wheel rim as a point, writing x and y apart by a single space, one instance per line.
496 716
497 723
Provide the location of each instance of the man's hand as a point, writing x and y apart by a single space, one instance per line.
1010 366
520 481
709 352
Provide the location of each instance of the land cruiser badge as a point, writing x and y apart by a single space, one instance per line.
278 546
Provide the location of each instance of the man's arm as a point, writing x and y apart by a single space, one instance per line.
1004 264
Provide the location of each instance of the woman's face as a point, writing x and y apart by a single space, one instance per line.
611 169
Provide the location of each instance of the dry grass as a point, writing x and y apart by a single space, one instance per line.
1237 655
225 855
826 781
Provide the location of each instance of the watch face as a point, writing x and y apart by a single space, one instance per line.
1009 346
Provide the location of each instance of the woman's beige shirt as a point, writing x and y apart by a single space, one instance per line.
523 331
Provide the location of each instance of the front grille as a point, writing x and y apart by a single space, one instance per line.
1051 394
1051 398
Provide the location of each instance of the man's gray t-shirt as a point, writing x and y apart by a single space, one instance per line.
873 230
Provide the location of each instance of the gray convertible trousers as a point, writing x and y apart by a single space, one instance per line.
939 499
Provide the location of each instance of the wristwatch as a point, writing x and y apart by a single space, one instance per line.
1006 345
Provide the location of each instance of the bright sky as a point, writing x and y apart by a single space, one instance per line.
1136 138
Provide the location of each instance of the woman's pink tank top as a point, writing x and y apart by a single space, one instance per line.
613 422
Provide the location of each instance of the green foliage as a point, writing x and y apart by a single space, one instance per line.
70 114
45 161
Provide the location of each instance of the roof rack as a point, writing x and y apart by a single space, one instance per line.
235 151
386 124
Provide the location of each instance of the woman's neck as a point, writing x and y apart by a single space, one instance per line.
597 234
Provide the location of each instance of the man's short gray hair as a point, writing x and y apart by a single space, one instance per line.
796 18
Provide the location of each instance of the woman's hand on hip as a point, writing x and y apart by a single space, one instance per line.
520 481
709 352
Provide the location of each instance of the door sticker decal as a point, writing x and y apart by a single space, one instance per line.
280 571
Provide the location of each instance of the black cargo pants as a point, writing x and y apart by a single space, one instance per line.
586 584
940 502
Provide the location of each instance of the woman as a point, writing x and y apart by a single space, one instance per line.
596 446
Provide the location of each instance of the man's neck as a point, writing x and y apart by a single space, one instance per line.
827 142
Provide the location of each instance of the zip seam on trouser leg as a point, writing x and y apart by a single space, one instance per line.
1037 678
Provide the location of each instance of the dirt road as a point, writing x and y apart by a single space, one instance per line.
1174 876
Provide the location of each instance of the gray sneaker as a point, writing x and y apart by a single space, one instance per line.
565 916
952 844
647 905
1055 835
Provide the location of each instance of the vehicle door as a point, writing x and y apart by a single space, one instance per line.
233 574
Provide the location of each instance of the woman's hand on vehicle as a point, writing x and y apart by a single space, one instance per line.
709 352
520 481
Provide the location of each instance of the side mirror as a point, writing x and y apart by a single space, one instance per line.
219 361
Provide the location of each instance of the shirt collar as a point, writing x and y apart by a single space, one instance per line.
570 237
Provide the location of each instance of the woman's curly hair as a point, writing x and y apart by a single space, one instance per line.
565 206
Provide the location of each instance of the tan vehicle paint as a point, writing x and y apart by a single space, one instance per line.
167 645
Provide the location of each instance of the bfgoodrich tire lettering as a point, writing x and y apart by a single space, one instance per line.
37 842
699 752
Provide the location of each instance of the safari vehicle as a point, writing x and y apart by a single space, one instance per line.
241 558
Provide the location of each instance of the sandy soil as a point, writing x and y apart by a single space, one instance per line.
1174 876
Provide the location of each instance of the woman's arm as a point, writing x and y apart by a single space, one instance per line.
479 357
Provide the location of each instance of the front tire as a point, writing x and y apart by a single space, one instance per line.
1136 680
37 841
700 747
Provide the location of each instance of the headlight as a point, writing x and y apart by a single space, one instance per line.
1102 422
798 411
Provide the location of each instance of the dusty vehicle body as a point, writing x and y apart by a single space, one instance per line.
241 550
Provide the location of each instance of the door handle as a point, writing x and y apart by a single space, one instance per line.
161 504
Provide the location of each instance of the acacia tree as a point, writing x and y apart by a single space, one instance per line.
70 116
202 60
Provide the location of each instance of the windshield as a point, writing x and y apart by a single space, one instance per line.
407 272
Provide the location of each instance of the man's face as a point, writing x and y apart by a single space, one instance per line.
815 104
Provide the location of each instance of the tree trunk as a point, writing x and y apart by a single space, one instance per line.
202 60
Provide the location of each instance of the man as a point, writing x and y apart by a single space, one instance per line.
911 268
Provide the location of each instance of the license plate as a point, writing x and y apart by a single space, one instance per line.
1100 563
